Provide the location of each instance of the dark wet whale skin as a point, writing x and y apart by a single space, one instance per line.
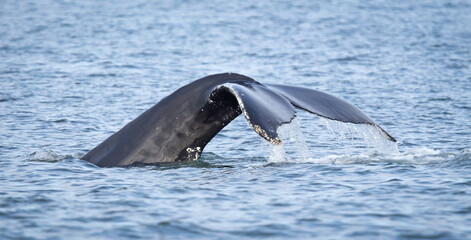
164 132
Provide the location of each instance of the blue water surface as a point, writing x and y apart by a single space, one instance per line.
74 72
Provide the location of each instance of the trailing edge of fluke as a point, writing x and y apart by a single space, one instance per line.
179 126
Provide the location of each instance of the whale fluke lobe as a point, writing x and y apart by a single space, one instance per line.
179 126
263 108
325 105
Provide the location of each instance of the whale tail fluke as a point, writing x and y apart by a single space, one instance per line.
179 126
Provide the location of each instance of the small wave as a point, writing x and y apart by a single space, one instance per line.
466 150
101 75
37 29
344 59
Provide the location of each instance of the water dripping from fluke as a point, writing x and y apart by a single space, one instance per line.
293 143
344 143
362 135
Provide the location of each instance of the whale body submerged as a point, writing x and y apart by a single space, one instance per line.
179 126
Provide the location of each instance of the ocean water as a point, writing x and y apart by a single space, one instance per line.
74 72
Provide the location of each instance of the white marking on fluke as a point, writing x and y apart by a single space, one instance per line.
196 150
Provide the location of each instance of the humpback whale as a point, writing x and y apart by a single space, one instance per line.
179 126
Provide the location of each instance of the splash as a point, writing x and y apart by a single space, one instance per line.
346 143
361 135
415 156
47 155
343 143
293 144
